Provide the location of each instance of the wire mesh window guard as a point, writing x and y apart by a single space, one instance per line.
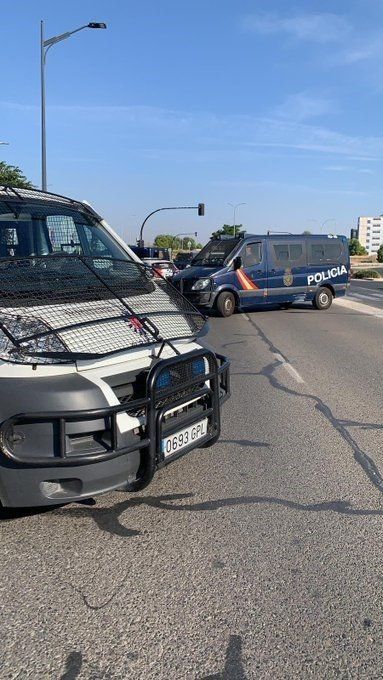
68 291
65 307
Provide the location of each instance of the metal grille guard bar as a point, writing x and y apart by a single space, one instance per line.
148 444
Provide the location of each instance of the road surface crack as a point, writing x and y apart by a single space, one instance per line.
363 459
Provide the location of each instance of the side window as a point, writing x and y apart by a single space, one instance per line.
281 252
252 254
288 254
325 251
296 251
97 247
333 250
316 252
63 235
8 241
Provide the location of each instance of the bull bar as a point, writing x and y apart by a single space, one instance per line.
214 391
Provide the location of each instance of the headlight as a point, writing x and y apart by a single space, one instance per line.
201 284
164 379
198 366
29 351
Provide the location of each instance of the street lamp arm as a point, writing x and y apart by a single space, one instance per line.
45 45
63 36
330 219
178 207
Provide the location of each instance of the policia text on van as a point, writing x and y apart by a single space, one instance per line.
253 271
102 377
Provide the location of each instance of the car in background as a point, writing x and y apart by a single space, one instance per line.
152 252
164 268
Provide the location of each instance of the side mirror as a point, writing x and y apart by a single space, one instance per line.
237 262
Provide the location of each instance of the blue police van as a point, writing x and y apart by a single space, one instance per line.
250 271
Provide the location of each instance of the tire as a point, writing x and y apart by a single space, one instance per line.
225 304
323 298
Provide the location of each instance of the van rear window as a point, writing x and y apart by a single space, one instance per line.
325 251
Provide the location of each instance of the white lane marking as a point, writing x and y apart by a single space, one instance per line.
370 290
361 296
289 368
286 365
371 295
359 307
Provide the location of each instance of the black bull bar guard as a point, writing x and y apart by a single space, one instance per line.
206 392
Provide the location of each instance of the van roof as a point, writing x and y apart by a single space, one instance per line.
11 194
279 235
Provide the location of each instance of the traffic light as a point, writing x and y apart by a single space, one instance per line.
201 209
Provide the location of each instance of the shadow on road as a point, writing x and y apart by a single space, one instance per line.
73 665
233 669
108 518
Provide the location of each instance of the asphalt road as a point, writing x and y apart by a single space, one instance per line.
258 558
368 292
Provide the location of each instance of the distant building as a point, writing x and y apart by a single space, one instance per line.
370 233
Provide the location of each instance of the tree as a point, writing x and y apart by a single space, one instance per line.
13 176
379 254
228 230
170 241
306 232
164 241
355 247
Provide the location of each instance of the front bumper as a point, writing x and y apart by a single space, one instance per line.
201 298
86 467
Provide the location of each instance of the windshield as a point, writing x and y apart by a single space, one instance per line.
41 228
215 253
184 257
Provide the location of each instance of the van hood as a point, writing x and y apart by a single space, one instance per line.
63 308
197 273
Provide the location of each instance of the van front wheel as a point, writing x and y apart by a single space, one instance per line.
225 304
323 298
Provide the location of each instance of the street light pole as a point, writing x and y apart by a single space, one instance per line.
330 219
45 45
234 211
322 224
43 130
201 211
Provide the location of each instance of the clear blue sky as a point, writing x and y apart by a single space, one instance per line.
277 104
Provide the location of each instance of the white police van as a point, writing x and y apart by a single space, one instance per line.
102 376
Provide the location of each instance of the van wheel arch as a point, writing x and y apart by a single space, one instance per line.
330 287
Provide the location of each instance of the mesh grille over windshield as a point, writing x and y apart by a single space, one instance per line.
64 307
36 194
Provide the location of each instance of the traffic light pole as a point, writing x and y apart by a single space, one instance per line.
201 211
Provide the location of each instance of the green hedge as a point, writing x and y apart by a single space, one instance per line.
366 274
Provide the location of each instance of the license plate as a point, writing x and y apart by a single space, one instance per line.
182 438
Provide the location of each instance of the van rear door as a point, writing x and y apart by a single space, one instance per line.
287 270
328 262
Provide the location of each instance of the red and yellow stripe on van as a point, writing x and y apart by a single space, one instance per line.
245 281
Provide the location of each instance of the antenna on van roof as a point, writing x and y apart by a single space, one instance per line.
270 231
